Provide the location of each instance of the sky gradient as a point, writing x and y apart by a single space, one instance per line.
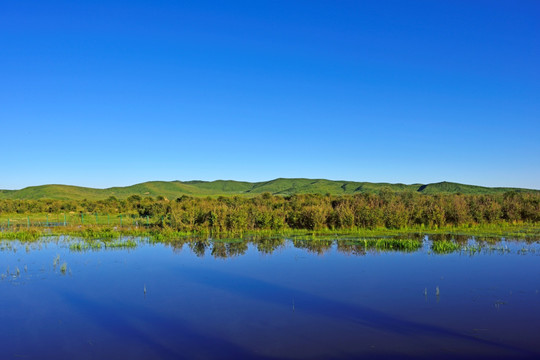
112 93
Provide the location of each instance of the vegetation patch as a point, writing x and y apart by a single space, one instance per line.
445 247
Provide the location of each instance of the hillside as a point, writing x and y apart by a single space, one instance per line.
174 189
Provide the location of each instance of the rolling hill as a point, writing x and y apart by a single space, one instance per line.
174 189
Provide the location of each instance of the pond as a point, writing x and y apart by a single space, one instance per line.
278 298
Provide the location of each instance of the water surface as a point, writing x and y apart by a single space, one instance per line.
273 299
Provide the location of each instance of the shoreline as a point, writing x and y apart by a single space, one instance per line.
504 230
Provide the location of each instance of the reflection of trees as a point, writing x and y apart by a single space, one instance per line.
199 247
318 247
237 248
177 244
351 248
219 250
225 250
268 246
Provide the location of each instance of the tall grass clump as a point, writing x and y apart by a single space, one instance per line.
445 247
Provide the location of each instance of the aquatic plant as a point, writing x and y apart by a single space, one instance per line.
406 245
444 247
22 235
85 245
120 244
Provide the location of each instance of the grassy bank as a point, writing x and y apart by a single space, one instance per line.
157 233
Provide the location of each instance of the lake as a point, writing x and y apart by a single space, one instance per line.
282 298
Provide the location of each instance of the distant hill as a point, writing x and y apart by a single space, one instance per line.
174 189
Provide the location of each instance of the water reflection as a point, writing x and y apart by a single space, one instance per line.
229 248
277 298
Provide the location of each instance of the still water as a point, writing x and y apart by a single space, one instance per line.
280 299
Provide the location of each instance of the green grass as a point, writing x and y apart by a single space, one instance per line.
517 231
26 235
92 231
121 244
405 245
174 189
87 245
445 247
382 244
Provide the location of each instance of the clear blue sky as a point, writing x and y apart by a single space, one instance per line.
104 93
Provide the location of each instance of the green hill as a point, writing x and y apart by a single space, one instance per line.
454 188
174 189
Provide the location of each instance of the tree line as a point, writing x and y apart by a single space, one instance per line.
307 211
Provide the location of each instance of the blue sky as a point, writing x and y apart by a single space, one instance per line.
105 93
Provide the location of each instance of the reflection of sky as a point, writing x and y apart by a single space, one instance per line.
291 303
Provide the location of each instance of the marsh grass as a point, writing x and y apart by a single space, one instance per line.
92 244
22 235
445 247
160 234
382 244
348 242
85 245
128 244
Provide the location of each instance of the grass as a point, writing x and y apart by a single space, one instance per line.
121 244
405 245
86 245
158 234
445 247
381 244
98 245
68 218
25 235
281 186
56 260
